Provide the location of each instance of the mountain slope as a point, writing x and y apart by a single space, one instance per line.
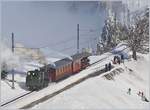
98 93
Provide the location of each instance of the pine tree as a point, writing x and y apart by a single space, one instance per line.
138 34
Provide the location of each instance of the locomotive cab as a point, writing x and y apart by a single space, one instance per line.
36 80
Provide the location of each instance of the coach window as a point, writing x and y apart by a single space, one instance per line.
66 68
59 70
63 68
69 67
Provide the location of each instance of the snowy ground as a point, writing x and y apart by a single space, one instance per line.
99 93
102 94
55 86
7 93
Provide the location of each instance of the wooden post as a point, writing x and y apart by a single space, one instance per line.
77 38
13 87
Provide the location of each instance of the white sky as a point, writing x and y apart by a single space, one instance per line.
37 24
53 24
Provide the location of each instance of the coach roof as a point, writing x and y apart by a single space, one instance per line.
60 63
80 55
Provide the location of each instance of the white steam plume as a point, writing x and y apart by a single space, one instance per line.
51 53
7 58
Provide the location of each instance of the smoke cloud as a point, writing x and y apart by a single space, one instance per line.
8 59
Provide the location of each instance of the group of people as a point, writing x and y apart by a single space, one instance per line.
118 59
141 94
108 67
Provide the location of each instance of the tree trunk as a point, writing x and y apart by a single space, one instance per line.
134 55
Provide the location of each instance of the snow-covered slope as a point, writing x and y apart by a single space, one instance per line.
7 93
100 93
92 93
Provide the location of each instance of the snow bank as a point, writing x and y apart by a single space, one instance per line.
7 93
99 57
119 47
99 93
54 87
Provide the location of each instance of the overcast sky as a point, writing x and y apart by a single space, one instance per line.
53 24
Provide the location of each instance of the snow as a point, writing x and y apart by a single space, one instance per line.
99 93
7 93
136 4
95 58
52 59
93 93
120 47
57 86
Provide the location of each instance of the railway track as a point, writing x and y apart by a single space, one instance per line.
13 100
94 74
55 93
6 103
63 89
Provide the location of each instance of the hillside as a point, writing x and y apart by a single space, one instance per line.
98 93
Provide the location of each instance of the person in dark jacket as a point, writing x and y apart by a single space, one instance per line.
118 60
114 61
122 58
109 66
106 68
129 91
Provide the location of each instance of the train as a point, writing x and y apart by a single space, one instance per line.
61 69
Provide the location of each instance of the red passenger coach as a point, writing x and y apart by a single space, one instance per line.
65 67
62 69
80 61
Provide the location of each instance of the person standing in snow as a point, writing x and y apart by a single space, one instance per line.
106 68
142 94
119 60
114 61
129 91
122 58
109 66
139 93
143 98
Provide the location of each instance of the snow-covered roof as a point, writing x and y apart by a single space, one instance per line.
61 63
80 55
